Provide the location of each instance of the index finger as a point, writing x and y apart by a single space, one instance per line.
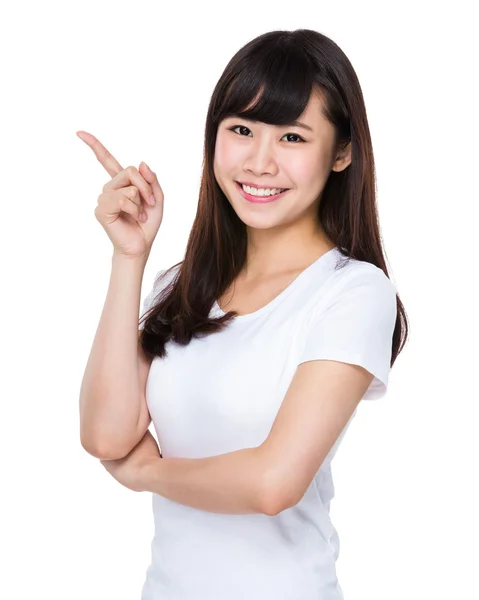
110 163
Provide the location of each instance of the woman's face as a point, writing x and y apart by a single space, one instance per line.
273 156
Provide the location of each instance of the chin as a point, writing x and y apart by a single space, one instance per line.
257 221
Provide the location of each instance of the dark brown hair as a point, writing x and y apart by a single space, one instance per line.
276 72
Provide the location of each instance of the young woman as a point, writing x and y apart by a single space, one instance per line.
255 351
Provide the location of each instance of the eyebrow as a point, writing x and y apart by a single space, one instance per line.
299 124
295 123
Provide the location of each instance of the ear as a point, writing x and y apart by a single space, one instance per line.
343 158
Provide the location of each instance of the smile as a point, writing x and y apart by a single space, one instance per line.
259 199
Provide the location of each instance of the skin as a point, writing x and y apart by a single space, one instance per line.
128 471
284 235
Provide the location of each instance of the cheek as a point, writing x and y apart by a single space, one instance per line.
306 169
226 157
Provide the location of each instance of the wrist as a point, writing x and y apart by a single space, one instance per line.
140 259
146 474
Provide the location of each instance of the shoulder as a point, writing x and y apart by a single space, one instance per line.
161 284
356 289
353 274
164 277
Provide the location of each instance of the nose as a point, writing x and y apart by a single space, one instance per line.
261 159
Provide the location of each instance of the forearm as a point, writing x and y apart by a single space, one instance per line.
110 393
232 483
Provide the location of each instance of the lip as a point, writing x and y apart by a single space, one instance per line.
259 199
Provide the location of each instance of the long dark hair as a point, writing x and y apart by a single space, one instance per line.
277 72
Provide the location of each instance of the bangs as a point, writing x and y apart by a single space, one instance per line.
272 86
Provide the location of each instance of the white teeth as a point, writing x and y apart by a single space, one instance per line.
262 192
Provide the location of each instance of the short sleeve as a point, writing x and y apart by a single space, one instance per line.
357 326
150 298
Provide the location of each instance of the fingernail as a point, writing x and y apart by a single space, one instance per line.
146 166
152 200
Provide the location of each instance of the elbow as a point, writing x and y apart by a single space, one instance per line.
104 451
103 444
274 502
274 494
276 484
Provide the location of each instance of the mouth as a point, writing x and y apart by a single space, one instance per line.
259 199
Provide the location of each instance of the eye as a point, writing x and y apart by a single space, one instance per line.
243 127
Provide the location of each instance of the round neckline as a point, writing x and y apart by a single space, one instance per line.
267 307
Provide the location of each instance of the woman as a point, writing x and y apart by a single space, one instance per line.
255 351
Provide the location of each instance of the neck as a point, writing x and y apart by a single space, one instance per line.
272 252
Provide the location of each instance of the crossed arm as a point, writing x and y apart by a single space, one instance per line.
265 479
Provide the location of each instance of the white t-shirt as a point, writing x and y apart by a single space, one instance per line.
221 393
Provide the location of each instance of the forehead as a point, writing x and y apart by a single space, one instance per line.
313 113
312 117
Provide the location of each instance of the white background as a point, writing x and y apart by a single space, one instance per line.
139 76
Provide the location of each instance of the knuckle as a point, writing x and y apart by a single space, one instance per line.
132 194
131 170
